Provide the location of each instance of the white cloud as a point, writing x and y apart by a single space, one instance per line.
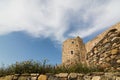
100 17
51 18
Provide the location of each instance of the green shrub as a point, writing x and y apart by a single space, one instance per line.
77 68
31 66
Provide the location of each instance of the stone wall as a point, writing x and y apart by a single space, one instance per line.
106 52
90 44
89 76
65 76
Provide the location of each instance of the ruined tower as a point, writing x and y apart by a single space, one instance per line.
73 51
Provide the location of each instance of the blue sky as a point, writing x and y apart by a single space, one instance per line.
18 46
35 29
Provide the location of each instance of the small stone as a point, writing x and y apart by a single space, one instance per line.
97 73
113 56
113 37
105 41
100 62
63 79
116 39
101 59
15 77
33 78
24 78
91 54
34 74
87 77
109 74
16 74
80 74
117 73
8 77
107 45
105 55
25 74
96 78
118 61
79 78
95 51
114 44
101 55
52 78
105 65
73 76
117 78
62 75
112 69
114 51
108 59
107 78
118 68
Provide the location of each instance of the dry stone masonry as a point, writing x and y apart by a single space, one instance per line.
65 76
89 45
106 53
103 51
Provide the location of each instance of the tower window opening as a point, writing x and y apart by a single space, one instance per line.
72 42
71 52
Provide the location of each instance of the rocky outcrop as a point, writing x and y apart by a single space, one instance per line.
106 53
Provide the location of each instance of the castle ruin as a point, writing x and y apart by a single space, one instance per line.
103 50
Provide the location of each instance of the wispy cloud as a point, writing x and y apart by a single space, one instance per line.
54 18
98 15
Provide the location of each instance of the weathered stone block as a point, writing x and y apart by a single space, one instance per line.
105 41
63 79
117 78
34 74
87 77
118 61
9 77
107 45
97 73
33 78
113 56
96 78
62 75
42 77
72 76
24 78
108 59
115 39
105 65
114 51
53 78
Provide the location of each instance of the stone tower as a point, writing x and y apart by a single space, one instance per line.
73 51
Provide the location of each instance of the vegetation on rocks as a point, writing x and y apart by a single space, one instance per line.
31 66
78 68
